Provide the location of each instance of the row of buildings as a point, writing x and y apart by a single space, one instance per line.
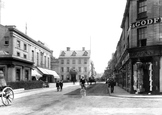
22 59
138 54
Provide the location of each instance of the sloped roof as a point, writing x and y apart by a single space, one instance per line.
78 53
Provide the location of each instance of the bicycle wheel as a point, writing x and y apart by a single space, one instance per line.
7 96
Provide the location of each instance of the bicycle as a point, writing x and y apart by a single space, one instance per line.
83 90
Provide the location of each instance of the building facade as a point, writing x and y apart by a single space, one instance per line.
20 54
139 51
74 63
55 64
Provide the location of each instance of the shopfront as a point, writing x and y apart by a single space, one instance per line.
146 71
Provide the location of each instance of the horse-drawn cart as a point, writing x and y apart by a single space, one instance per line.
7 95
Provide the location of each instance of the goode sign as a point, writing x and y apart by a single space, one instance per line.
146 22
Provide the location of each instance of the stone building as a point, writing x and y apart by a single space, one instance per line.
139 50
20 55
74 63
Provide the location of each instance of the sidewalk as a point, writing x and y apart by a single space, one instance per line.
119 92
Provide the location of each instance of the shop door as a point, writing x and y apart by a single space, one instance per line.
146 78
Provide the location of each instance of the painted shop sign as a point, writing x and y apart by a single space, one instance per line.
144 53
125 59
146 22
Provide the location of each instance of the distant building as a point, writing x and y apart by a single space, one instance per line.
74 63
55 64
20 56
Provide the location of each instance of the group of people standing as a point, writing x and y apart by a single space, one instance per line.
59 85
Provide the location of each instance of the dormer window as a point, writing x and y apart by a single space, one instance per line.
74 53
85 53
63 53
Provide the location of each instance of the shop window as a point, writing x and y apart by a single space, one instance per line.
142 9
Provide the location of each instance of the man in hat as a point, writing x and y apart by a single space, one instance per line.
82 82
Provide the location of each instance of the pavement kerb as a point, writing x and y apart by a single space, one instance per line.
137 96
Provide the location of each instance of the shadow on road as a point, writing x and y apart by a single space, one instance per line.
98 89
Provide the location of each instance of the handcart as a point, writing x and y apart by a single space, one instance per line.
7 95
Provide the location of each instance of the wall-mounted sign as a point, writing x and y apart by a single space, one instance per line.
146 22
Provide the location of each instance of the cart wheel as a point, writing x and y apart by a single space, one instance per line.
7 96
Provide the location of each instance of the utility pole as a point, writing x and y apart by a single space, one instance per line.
26 29
1 6
0 10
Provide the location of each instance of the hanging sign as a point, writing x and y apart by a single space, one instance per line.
146 22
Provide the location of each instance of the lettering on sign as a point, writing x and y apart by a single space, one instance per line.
143 53
146 22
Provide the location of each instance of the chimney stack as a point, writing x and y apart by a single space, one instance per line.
83 48
68 48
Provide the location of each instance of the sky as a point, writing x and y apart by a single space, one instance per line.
93 24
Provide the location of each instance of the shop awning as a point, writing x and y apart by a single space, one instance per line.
49 72
36 74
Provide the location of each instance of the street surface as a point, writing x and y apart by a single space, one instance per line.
69 102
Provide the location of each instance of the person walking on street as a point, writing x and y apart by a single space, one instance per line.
61 85
111 83
82 82
58 84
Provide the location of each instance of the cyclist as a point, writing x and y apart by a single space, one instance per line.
82 82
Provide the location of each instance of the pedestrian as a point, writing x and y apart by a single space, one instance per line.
112 84
61 85
82 82
108 86
57 84
2 81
